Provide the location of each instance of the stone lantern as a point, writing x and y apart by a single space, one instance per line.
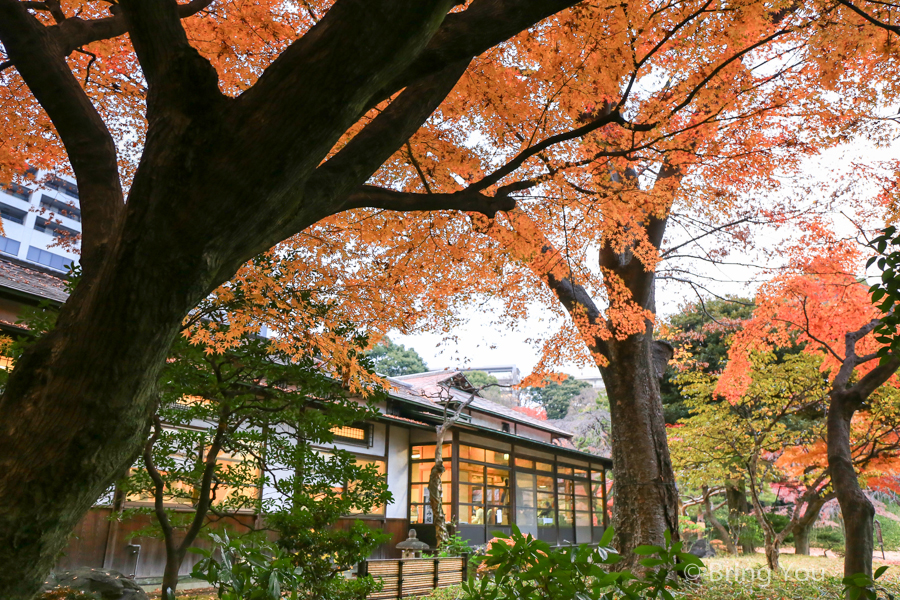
412 547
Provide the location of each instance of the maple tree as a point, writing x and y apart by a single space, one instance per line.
821 304
773 432
230 128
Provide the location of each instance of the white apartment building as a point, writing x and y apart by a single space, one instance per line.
35 216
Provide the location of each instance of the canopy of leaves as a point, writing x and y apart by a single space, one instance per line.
556 396
782 407
561 112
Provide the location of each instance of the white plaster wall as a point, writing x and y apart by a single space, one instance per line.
398 472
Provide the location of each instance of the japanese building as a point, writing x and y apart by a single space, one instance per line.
503 467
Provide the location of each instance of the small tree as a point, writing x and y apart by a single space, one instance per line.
732 438
452 411
262 409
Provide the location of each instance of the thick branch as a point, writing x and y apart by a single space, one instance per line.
851 359
368 196
375 144
75 32
465 35
173 68
40 61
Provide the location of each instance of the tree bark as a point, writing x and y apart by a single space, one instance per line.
805 524
436 491
856 509
646 498
801 540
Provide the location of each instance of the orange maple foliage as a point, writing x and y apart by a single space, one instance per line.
815 306
524 121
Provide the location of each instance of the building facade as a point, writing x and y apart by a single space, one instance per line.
36 218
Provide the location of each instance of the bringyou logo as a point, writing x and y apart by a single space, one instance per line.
759 576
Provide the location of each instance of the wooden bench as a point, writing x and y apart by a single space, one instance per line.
405 577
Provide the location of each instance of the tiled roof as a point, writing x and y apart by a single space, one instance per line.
32 281
425 388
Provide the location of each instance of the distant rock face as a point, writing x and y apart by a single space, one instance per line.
108 585
702 549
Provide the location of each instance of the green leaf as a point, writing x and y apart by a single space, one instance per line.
879 572
652 562
607 537
646 549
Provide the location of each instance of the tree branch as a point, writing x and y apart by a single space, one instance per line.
465 35
870 18
374 197
175 71
365 153
40 60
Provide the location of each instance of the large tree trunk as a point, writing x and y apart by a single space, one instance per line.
646 498
801 539
856 509
77 412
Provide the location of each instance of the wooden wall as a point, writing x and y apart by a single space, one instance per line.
101 543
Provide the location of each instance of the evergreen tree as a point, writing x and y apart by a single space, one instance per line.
556 397
703 330
394 359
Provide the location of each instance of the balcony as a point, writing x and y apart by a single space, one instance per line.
60 208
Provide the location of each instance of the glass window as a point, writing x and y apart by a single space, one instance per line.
421 472
49 259
470 494
545 484
427 452
9 246
581 473
524 463
496 457
421 513
540 466
469 473
561 470
470 453
471 515
360 435
497 515
419 493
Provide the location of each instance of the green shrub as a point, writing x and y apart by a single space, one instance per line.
523 567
